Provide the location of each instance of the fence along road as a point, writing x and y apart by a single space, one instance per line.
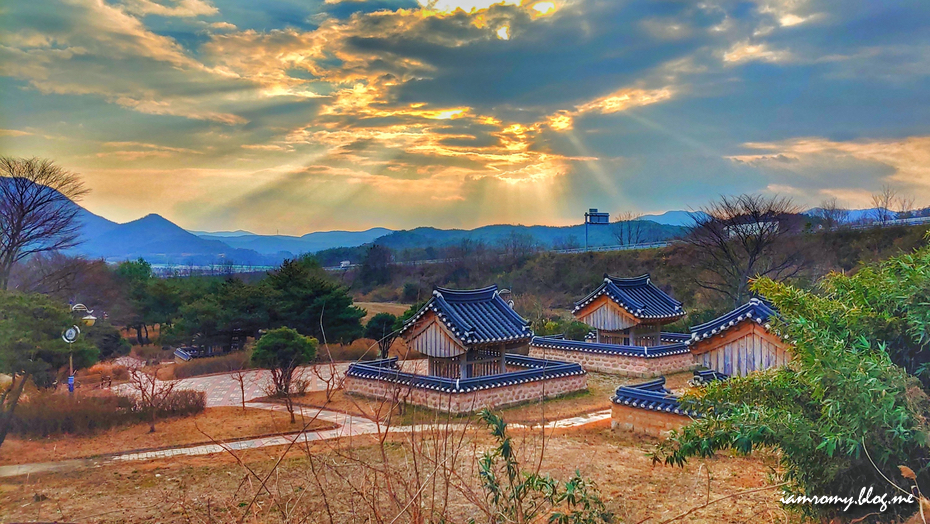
622 247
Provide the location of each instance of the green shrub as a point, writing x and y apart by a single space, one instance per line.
108 340
518 496
570 328
204 366
846 412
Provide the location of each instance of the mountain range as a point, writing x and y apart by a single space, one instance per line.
160 241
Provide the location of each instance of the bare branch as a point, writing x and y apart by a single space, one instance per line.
37 213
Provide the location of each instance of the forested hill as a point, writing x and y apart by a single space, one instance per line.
547 237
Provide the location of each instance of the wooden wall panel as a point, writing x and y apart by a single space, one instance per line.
432 339
605 314
753 351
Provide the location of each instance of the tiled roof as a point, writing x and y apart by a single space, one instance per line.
611 349
667 336
756 310
650 395
639 296
653 396
706 376
533 369
475 316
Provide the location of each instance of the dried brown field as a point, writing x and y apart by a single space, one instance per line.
221 423
217 489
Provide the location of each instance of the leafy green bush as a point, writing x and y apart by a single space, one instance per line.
281 350
843 414
107 339
572 329
517 496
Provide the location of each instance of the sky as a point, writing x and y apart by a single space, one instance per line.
294 116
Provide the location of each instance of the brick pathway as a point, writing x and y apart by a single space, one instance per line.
223 389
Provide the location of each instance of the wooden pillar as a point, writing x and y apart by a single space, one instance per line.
463 365
503 360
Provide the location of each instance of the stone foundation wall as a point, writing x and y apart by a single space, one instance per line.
619 364
466 402
639 420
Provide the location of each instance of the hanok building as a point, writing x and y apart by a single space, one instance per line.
627 315
740 341
466 334
472 340
628 311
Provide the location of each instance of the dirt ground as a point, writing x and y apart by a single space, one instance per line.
216 489
222 423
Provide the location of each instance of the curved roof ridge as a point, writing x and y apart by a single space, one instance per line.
629 281
757 309
484 293
475 316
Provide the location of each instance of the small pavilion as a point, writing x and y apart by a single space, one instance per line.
628 311
627 315
466 333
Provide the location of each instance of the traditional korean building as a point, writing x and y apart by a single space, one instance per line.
740 341
472 340
628 311
466 334
627 315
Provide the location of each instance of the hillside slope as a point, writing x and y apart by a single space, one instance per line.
159 240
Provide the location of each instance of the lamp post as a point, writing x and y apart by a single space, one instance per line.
71 334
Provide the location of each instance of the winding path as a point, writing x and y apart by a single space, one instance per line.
223 390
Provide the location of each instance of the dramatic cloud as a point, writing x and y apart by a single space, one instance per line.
294 117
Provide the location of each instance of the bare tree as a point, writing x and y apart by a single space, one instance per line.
831 214
37 213
884 202
905 206
153 393
742 237
241 376
517 246
566 242
629 229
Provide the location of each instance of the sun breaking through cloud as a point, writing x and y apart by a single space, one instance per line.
306 116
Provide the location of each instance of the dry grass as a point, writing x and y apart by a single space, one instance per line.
215 488
223 423
373 308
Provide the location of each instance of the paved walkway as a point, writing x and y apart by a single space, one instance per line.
223 389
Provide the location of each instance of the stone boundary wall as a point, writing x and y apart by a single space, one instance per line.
619 364
465 402
646 421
